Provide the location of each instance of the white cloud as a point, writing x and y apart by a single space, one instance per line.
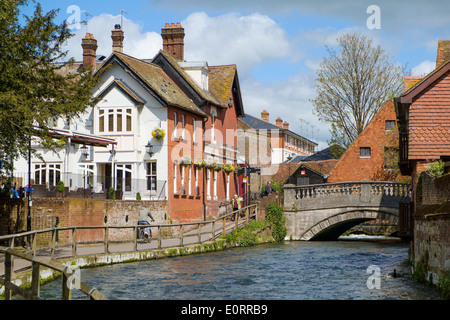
233 39
136 43
423 68
288 99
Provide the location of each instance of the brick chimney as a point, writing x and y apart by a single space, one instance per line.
279 122
117 38
443 52
89 45
173 40
265 116
286 125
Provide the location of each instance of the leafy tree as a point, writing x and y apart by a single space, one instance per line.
35 84
352 85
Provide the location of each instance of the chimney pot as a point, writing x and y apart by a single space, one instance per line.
265 116
279 122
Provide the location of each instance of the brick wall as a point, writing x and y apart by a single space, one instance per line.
353 167
78 212
435 191
432 226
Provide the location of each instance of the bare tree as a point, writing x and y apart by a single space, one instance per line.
352 85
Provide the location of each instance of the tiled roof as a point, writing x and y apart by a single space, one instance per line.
221 82
320 167
259 124
162 85
204 94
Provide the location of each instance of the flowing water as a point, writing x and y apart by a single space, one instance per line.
338 270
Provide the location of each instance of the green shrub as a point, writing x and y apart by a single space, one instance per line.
60 186
437 168
275 217
138 196
112 193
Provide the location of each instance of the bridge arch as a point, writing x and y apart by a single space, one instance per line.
330 228
325 211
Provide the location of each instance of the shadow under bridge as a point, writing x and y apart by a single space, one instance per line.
325 211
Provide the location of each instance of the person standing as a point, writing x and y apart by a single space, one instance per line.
236 205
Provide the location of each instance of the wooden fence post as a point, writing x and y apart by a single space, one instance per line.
181 235
159 237
35 283
66 288
224 229
106 240
8 274
74 242
199 236
213 233
53 243
34 244
135 238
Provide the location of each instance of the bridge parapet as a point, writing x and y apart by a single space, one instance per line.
332 195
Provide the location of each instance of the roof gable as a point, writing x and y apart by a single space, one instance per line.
424 84
119 85
171 67
154 79
224 85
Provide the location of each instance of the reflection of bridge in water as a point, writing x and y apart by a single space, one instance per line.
325 211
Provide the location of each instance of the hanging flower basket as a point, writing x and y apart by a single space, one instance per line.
158 133
200 163
227 168
186 161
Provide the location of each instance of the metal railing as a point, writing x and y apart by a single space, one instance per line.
174 235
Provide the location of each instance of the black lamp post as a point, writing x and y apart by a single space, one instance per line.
84 151
149 149
289 158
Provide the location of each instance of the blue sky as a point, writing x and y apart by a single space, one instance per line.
276 45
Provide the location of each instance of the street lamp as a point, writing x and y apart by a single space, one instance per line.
289 158
84 151
149 149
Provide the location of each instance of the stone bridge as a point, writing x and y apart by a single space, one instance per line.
325 211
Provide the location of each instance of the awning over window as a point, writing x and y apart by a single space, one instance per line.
81 138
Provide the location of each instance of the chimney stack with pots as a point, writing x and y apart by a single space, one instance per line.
173 40
117 38
443 52
286 125
89 45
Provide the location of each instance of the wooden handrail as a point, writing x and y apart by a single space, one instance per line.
37 262
93 293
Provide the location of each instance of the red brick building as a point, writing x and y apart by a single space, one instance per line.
196 190
423 113
372 155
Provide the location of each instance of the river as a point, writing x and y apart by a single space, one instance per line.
347 269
